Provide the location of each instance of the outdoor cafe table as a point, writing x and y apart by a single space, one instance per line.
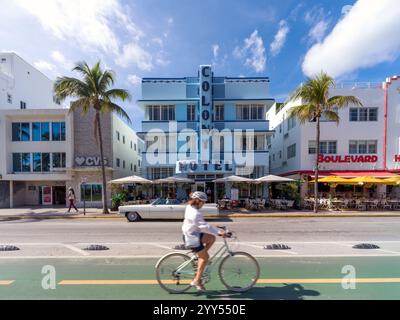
282 204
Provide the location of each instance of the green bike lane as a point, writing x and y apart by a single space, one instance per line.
282 278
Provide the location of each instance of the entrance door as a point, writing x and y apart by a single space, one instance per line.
210 186
47 196
59 195
199 186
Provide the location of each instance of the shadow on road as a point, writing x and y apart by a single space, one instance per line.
287 292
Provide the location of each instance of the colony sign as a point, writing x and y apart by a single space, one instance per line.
89 161
348 159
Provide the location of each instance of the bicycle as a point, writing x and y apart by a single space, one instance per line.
238 271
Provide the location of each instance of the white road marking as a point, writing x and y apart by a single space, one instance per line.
80 251
159 256
262 247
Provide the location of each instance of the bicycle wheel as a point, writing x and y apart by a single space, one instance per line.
239 272
170 278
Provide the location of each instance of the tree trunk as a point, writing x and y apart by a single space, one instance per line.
103 169
317 167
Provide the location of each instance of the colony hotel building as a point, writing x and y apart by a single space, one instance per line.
365 143
180 113
44 149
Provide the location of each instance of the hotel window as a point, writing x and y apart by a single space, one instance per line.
135 169
363 146
22 105
363 114
219 113
291 122
123 164
163 113
134 147
325 147
118 162
250 112
191 112
131 166
41 132
9 98
58 160
118 135
21 131
160 173
291 151
91 192
58 131
280 154
123 139
259 142
21 162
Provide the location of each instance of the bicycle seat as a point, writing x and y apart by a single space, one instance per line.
222 227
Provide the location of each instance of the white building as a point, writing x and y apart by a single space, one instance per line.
44 149
366 141
22 86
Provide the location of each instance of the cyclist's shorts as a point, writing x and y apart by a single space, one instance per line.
200 247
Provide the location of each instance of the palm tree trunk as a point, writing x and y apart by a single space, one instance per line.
317 167
103 169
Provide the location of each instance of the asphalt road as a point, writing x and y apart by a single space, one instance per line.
252 229
321 251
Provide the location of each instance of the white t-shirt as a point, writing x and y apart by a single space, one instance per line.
194 222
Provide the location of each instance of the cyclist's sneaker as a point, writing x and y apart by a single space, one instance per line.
198 285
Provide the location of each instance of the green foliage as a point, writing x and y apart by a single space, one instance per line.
119 198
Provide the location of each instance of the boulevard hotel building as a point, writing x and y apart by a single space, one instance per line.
44 149
366 142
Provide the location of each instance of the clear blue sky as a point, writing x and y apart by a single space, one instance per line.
285 40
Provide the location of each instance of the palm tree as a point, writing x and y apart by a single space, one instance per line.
93 92
316 103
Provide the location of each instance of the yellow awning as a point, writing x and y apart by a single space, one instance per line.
393 180
366 179
334 179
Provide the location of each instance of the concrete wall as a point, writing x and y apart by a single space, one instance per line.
4 194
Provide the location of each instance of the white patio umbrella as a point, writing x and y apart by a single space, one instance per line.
233 179
174 179
130 180
272 178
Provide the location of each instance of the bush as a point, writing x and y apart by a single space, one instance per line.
118 198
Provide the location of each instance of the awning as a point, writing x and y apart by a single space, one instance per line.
272 178
130 180
234 179
174 179
355 174
334 179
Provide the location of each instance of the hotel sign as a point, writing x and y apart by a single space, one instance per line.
347 158
190 166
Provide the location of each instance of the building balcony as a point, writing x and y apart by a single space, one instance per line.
256 125
169 126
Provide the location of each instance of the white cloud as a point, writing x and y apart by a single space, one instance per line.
253 51
317 33
44 66
92 25
170 20
133 54
60 59
280 38
158 41
134 79
367 35
215 49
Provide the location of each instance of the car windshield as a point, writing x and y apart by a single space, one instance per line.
161 202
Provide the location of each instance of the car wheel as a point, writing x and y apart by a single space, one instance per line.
133 216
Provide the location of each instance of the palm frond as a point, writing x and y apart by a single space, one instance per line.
331 115
108 106
65 87
343 101
304 112
106 80
117 94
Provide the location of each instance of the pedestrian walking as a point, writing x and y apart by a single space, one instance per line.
71 199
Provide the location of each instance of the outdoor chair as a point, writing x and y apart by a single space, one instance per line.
360 205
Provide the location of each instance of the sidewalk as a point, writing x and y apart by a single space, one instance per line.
95 213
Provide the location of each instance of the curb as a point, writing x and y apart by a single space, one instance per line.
105 217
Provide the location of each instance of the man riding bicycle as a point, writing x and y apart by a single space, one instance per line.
199 235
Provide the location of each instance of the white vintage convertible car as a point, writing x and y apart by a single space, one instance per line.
162 209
